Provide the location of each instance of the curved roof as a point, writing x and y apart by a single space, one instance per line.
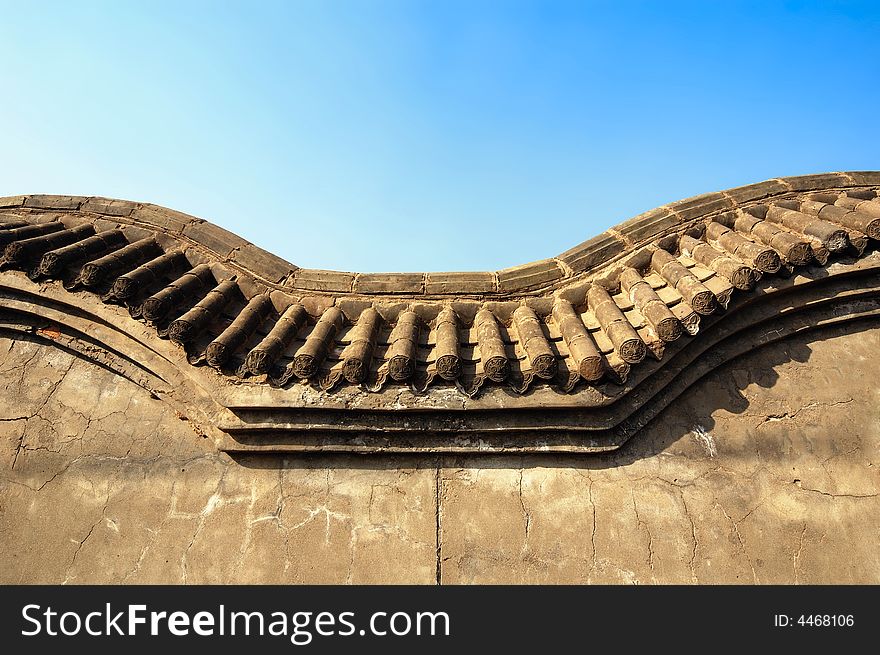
624 314
540 275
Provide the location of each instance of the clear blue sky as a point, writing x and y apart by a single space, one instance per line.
376 136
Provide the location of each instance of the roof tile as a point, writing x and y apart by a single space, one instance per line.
318 280
12 201
865 177
527 276
647 225
389 283
109 207
55 202
820 181
699 206
166 219
465 283
264 264
221 241
592 252
749 192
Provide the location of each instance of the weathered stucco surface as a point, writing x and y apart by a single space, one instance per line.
765 471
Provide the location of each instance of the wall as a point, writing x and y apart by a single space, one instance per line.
765 471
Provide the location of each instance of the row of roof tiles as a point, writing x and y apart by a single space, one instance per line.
530 277
591 332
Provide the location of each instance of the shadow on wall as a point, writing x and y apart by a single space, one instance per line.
691 415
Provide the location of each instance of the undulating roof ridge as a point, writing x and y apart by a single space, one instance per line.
530 277
582 319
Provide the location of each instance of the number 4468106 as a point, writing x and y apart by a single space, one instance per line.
825 620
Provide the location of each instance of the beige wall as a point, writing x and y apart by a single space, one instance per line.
765 471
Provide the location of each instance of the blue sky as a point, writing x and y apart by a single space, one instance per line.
377 136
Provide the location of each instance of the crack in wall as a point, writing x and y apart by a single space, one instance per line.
643 524
796 559
101 519
693 560
526 515
742 544
831 495
54 386
210 506
785 416
593 531
438 523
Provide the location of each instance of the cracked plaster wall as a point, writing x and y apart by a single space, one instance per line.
765 471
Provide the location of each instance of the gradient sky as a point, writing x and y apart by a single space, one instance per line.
377 136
